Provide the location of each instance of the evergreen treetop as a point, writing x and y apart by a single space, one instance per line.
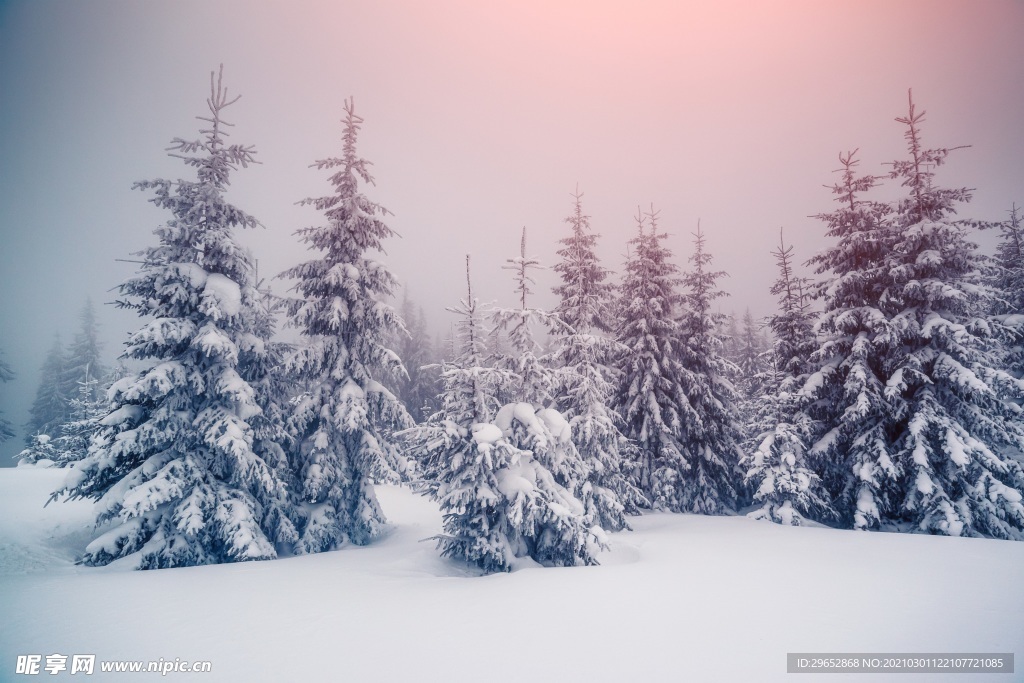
584 292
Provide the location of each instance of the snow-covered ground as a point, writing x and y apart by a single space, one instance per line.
680 598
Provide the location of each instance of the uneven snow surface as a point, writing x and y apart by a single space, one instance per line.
681 598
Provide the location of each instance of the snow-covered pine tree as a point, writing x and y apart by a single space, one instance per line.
844 393
6 375
585 293
583 380
83 381
342 422
173 467
949 383
779 470
710 437
525 384
50 408
75 435
649 396
916 409
499 502
84 362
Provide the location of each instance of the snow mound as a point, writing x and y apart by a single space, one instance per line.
485 432
222 294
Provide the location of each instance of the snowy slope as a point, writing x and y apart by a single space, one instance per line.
682 597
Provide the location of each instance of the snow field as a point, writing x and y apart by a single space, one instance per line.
682 597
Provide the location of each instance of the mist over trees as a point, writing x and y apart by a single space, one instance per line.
884 393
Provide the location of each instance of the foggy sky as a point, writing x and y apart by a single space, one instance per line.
480 118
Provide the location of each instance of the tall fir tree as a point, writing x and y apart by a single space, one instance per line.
173 468
711 436
650 394
499 502
780 471
851 444
916 411
583 380
342 423
50 408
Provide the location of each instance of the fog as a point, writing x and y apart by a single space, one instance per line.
480 118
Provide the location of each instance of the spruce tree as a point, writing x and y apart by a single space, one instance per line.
780 472
650 394
583 380
842 373
50 408
917 414
710 437
173 467
342 422
499 502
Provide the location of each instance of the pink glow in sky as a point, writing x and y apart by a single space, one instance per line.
481 117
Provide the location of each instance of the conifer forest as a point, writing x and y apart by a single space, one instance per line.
608 390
